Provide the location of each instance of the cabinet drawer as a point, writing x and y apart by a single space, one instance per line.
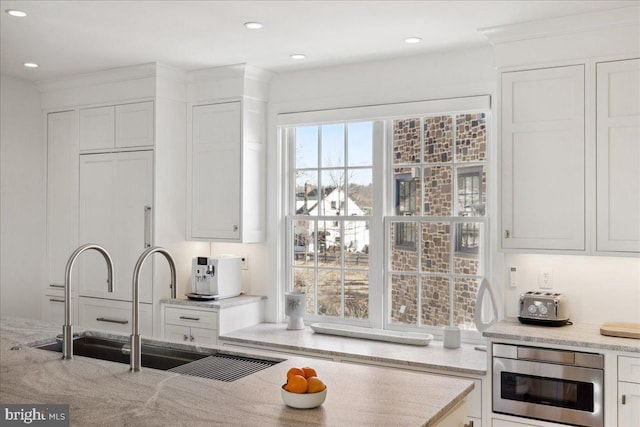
185 317
110 315
629 369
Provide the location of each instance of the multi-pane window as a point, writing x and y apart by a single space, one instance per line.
330 226
427 236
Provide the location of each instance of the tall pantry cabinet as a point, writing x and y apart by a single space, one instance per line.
123 181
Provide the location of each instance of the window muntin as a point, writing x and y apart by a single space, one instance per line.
439 151
433 280
329 228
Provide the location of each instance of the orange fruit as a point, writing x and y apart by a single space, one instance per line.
294 371
296 384
309 372
314 385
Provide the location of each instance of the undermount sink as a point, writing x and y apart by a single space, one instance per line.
163 358
215 365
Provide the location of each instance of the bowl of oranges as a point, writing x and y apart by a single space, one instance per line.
303 389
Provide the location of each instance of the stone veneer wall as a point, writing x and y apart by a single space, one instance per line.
435 301
404 292
465 291
406 141
438 139
437 237
471 137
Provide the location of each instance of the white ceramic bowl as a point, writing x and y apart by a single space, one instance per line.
304 400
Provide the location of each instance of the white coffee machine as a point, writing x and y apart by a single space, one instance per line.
216 277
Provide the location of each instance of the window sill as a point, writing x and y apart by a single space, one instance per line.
465 360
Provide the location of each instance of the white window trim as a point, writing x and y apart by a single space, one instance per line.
378 250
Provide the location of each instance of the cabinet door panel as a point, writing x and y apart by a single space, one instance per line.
96 225
216 171
114 190
629 412
134 184
543 159
618 156
135 125
97 128
62 193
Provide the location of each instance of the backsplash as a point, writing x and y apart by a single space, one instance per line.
599 289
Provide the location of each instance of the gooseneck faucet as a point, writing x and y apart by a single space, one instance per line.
67 329
136 342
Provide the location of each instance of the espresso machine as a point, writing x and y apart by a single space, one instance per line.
215 277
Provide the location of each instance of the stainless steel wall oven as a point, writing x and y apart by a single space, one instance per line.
548 384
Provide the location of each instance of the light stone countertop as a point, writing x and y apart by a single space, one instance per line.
223 303
102 393
577 335
463 360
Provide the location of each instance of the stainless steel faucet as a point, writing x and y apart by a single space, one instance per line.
136 342
67 329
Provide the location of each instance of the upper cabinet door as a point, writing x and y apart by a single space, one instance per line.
97 128
618 156
543 159
216 172
134 125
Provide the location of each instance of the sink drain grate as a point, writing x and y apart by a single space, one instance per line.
223 367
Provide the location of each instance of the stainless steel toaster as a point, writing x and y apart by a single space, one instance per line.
544 308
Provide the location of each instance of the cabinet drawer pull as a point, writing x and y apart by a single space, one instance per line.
624 399
185 337
189 318
56 300
191 336
507 234
106 319
55 285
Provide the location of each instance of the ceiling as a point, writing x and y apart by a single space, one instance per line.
72 37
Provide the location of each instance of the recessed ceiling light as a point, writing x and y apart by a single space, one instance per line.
412 40
298 56
30 65
253 25
17 13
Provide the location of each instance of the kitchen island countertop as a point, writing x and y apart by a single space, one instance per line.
106 393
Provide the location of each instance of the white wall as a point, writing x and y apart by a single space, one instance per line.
600 289
416 78
23 168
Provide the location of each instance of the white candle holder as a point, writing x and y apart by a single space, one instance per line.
294 307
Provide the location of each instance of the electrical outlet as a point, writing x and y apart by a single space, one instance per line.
544 278
245 263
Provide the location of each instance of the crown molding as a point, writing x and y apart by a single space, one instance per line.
626 16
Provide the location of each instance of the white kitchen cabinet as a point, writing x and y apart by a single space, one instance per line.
193 325
225 172
116 196
543 159
111 315
53 309
618 156
134 125
97 128
628 391
117 126
62 194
